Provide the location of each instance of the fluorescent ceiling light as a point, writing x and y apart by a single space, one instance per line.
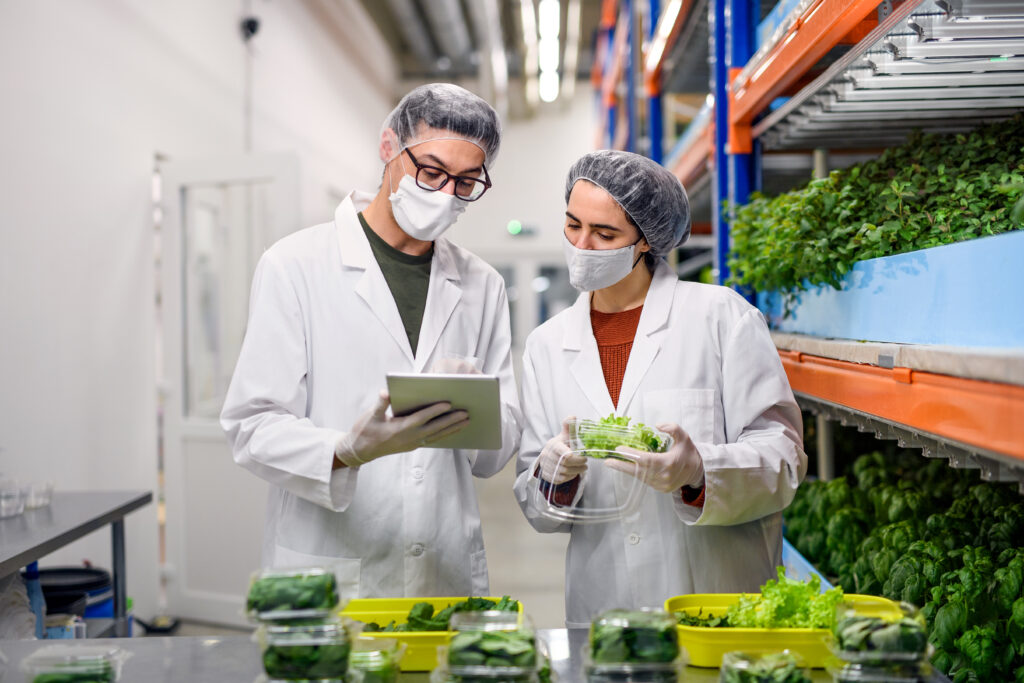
548 12
548 86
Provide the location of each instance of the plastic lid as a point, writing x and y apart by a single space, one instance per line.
490 620
312 632
634 637
294 593
610 493
761 665
103 662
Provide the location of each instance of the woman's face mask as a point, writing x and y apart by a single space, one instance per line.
593 269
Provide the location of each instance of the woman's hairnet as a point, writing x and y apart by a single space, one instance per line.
648 192
428 110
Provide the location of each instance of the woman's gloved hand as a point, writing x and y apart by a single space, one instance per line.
375 434
557 463
669 471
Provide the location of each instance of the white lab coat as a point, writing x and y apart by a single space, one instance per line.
323 331
701 358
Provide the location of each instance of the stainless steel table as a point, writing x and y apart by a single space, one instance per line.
69 516
236 659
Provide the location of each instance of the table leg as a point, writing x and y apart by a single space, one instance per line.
120 606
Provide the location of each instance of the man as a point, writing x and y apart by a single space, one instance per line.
333 309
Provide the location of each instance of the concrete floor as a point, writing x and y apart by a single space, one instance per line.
524 564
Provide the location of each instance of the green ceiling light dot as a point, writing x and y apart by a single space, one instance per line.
514 227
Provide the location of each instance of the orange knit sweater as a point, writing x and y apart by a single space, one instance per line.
614 333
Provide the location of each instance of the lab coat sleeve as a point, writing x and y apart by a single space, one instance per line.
537 430
264 411
497 360
757 471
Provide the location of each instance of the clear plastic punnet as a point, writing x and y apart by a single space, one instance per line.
313 650
906 672
98 663
490 646
763 666
612 487
294 593
634 645
376 659
880 639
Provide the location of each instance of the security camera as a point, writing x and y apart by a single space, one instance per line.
249 26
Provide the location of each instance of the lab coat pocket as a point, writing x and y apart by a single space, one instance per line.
478 573
691 409
346 569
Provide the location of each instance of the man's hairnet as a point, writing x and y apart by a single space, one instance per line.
445 111
648 192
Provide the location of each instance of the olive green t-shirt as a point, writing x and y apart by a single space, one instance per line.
408 278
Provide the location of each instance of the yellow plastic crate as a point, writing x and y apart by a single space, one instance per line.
707 645
421 646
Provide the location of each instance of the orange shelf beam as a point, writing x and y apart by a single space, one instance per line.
987 415
822 27
696 160
663 42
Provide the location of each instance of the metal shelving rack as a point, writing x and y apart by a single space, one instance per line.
937 65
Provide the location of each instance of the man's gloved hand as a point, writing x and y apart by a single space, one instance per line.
454 366
375 434
556 462
666 472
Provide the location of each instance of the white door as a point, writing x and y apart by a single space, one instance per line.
219 216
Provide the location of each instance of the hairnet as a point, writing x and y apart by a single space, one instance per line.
445 107
648 192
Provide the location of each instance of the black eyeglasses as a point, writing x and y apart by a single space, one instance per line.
433 178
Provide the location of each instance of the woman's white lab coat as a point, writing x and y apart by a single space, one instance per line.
702 358
323 331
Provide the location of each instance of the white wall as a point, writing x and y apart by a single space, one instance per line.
91 90
529 185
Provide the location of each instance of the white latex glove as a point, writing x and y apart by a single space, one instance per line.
375 434
557 463
454 366
666 472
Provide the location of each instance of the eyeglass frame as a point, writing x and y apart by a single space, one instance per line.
448 177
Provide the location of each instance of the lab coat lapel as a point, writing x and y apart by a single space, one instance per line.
371 287
443 296
586 366
650 332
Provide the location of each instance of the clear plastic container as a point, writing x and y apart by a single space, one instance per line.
914 672
39 494
377 659
761 666
634 645
69 663
298 593
12 498
492 644
875 639
314 650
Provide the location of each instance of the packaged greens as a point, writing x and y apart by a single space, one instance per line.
916 672
630 637
305 650
501 649
767 667
74 664
870 639
599 439
279 594
377 659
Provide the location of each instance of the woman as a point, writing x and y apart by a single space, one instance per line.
694 360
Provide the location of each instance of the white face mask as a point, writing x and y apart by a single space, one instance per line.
593 269
422 214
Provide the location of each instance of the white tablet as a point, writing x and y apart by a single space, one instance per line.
478 395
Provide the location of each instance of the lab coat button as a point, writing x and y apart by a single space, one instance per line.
634 539
416 550
417 473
